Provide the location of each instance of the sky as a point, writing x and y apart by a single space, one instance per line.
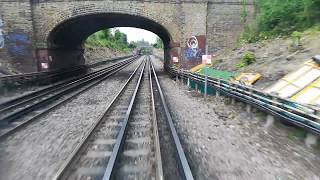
136 34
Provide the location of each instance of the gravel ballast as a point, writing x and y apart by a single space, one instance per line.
224 142
38 150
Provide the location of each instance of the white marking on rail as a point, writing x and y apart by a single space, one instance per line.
98 154
105 141
91 171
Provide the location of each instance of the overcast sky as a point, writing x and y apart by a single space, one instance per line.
135 34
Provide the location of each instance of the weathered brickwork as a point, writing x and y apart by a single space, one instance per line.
17 35
35 22
50 14
224 24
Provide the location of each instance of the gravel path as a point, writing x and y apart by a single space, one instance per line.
224 142
37 151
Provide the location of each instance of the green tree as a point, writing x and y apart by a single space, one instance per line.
132 45
159 43
105 38
280 17
106 34
120 37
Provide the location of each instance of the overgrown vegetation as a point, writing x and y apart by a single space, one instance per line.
116 41
280 18
158 44
247 59
296 39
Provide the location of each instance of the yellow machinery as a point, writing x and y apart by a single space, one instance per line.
247 78
302 86
309 95
197 68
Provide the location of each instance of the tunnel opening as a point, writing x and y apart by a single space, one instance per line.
65 41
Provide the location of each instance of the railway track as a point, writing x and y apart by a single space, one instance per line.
20 111
124 142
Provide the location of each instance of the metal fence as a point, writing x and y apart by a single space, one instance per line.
303 116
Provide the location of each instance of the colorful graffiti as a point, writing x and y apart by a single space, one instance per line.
193 51
19 44
1 34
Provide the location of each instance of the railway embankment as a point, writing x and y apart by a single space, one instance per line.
223 141
274 58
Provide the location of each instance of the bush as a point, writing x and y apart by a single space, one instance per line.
247 59
296 38
240 65
281 18
105 38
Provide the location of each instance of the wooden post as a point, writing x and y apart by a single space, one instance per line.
270 118
181 80
311 140
269 122
248 107
206 76
218 91
233 101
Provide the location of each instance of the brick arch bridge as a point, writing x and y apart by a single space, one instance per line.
52 31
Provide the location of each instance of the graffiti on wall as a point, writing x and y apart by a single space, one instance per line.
18 44
1 34
194 48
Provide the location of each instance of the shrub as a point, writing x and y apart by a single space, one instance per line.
296 38
247 59
281 18
105 38
240 65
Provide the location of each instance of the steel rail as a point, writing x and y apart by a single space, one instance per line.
120 138
61 173
159 169
29 97
185 168
40 74
54 93
9 103
59 71
301 118
102 62
24 123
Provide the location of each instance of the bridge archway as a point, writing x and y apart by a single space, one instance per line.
65 40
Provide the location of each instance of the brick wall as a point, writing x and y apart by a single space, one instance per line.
224 25
28 24
16 50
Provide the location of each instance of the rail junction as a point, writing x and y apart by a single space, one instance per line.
17 112
124 142
135 137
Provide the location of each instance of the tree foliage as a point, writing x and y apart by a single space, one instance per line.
105 38
282 17
119 41
159 44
